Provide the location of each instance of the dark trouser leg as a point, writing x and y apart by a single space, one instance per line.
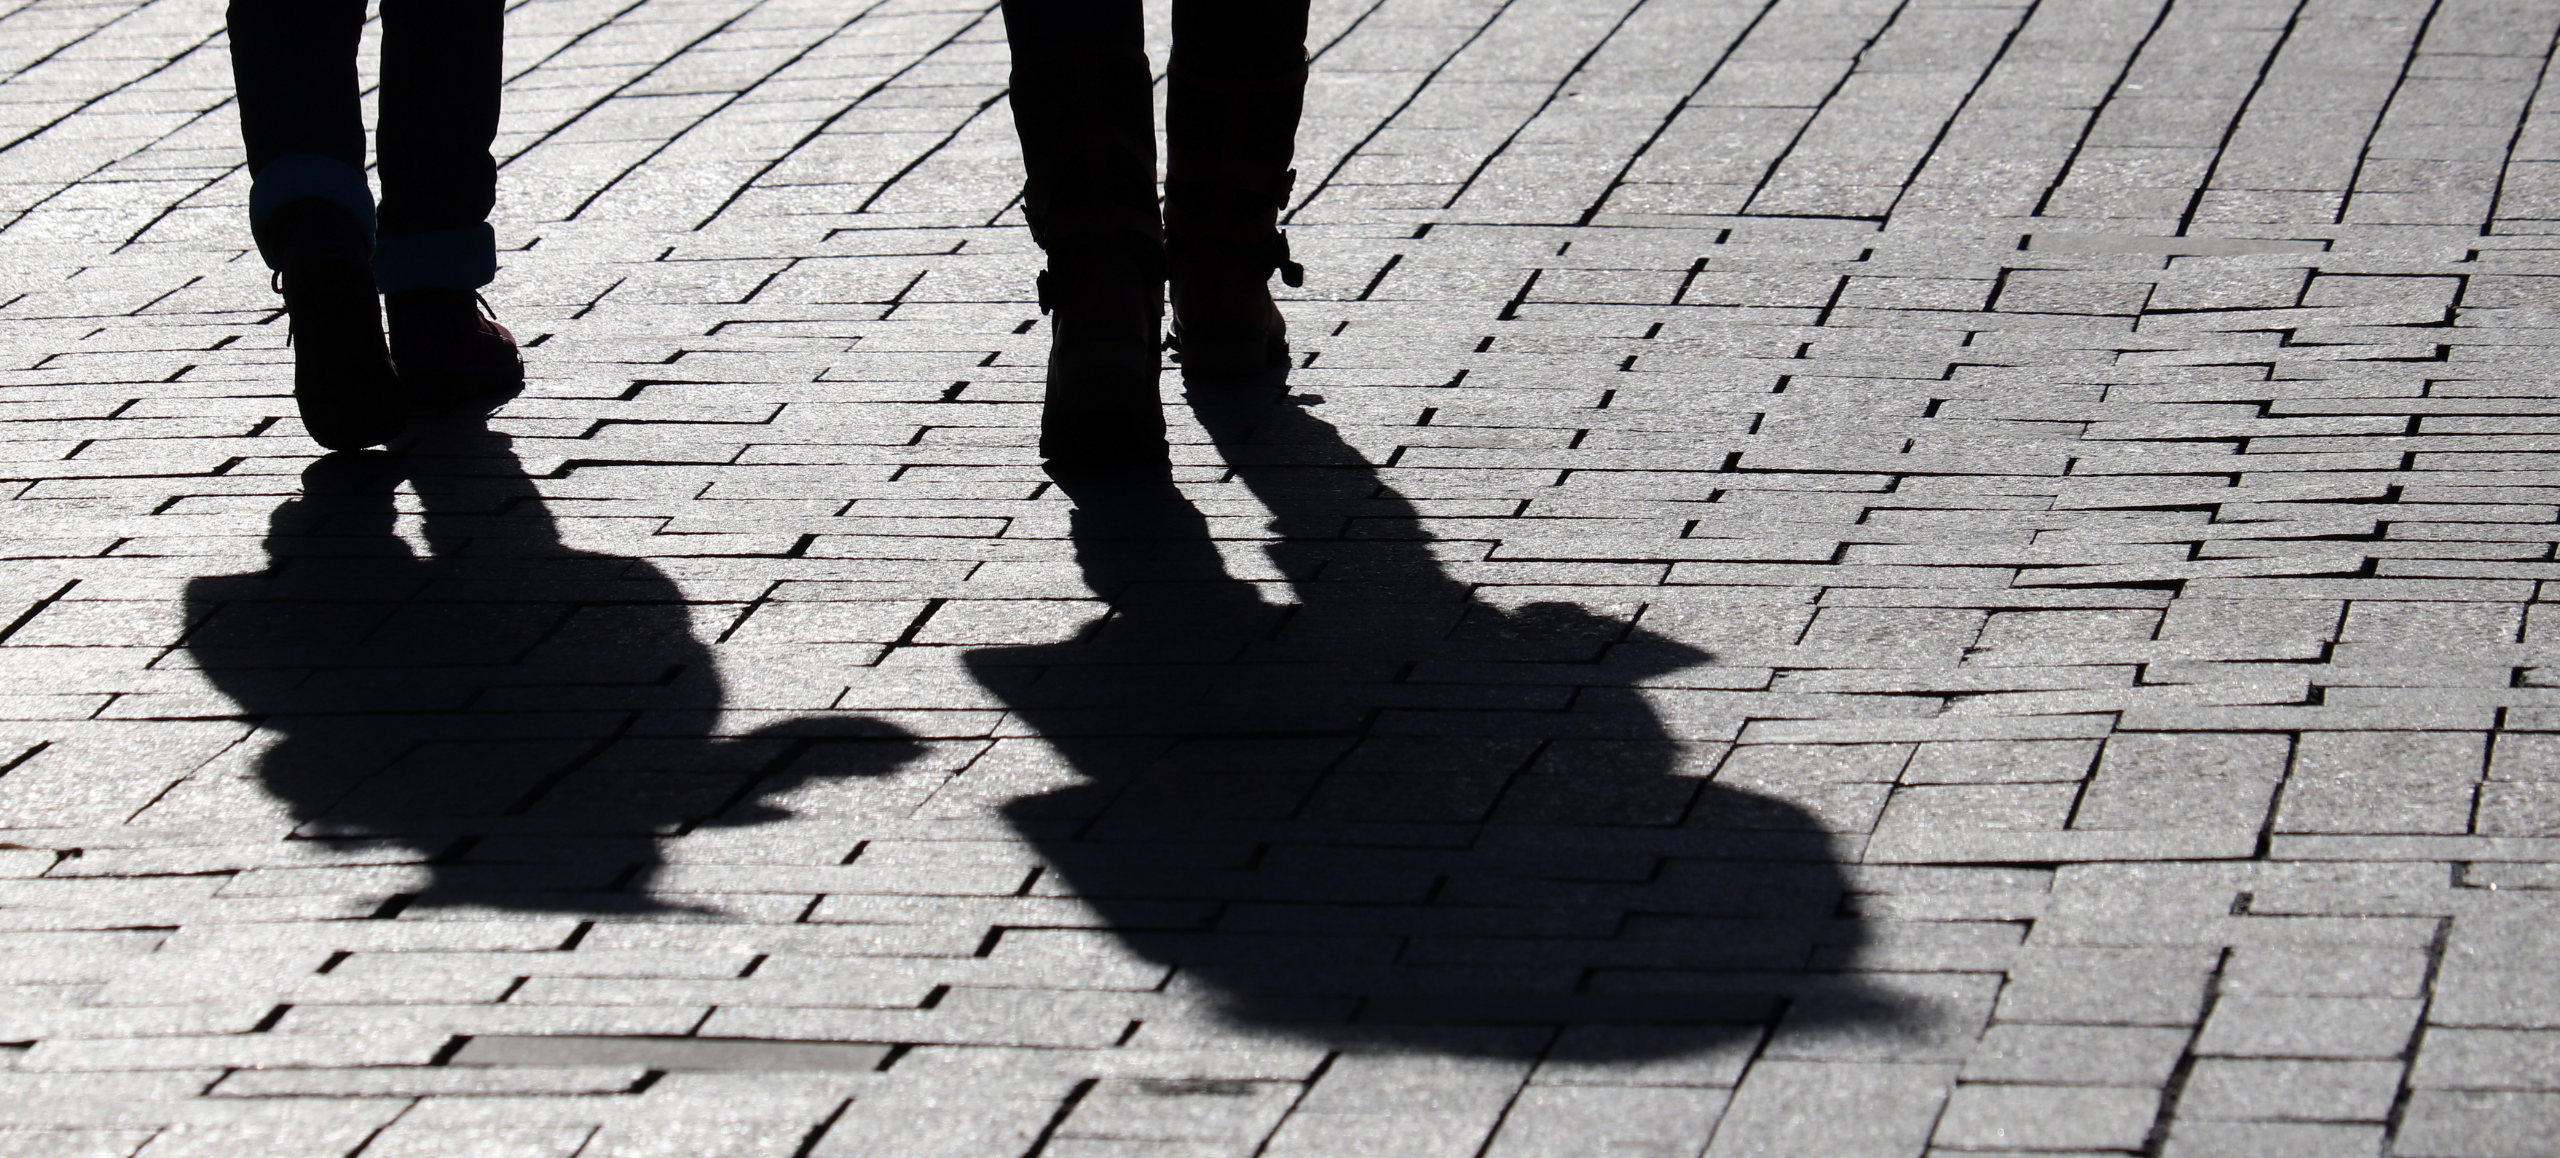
440 75
441 68
1238 81
295 64
1083 103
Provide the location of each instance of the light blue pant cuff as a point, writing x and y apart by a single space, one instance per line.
288 179
461 258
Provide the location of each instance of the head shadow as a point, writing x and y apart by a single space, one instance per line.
523 720
1348 797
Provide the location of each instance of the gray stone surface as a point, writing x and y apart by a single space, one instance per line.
1829 578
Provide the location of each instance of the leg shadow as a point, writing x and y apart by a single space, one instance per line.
1387 811
525 719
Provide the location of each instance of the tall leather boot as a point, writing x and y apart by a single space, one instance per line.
1229 136
1084 111
343 381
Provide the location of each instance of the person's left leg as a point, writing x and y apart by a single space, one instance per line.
441 70
1237 84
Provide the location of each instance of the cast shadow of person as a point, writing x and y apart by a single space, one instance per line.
1391 813
525 720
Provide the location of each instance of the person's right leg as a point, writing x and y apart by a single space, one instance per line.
1083 104
441 69
295 65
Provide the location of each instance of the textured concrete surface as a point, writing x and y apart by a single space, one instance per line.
1835 577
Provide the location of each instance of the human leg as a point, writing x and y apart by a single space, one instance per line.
1082 100
1238 83
294 62
441 70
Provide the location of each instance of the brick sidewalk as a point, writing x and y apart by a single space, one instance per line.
1837 578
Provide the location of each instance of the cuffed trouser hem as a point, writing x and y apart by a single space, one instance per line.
464 257
291 178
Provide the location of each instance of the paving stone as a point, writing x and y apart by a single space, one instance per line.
1630 1056
1563 1119
2286 1139
2327 971
2345 782
2486 1059
1982 1117
415 1081
1231 1113
2156 781
2458 1124
2294 1091
509 1142
2076 1055
75 1143
2321 1027
1795 1107
2108 987
665 1054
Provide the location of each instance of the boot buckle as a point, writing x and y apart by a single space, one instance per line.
1292 274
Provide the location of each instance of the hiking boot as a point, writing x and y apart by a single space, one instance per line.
343 381
448 347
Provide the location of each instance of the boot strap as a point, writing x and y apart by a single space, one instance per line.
1056 287
1271 249
1262 258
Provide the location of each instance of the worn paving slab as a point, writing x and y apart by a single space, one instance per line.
1831 577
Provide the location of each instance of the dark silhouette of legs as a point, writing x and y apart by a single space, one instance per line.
314 218
440 78
1081 100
